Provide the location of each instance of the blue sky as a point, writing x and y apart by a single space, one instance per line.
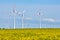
49 8
44 2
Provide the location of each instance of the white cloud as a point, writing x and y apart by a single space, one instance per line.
28 18
49 19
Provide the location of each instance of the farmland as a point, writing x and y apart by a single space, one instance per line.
30 34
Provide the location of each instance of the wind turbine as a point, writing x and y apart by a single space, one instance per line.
40 17
22 14
14 14
23 19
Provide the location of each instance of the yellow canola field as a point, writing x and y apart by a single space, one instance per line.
30 34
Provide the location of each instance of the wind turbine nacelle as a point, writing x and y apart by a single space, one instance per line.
14 11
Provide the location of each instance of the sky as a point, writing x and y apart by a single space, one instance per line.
50 10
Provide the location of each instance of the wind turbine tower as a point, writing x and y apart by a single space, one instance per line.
22 15
40 18
23 19
14 12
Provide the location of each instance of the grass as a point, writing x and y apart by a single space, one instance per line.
30 34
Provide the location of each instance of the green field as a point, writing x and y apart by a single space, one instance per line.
30 34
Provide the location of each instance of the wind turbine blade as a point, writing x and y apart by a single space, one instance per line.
24 11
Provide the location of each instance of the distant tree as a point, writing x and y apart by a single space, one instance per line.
0 28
